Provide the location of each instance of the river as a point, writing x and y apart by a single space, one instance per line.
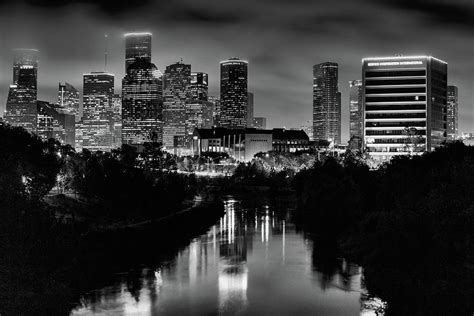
253 261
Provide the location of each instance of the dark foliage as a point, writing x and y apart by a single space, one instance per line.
409 224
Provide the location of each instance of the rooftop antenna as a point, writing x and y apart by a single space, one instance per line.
105 52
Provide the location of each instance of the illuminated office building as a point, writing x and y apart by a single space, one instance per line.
326 103
452 113
216 109
176 94
356 117
234 97
142 104
93 131
137 45
199 111
68 100
405 101
54 122
21 109
116 121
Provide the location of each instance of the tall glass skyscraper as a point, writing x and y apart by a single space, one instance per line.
137 45
356 118
68 100
142 104
234 89
176 94
199 111
21 108
405 101
93 132
326 103
452 113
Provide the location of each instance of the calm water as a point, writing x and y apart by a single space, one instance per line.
252 262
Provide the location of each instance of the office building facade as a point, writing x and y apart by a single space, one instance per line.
176 95
137 45
21 107
356 114
405 105
326 103
68 100
234 93
142 104
93 131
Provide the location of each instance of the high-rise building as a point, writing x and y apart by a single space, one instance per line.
199 111
25 57
452 113
405 101
326 103
216 109
142 104
68 100
176 94
250 109
308 129
93 131
356 118
137 45
54 122
259 122
21 107
116 121
199 86
234 97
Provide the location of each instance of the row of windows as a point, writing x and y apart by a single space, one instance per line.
395 107
395 132
403 73
396 90
394 82
395 124
394 115
396 98
392 141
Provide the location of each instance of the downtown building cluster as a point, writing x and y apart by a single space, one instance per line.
154 106
400 105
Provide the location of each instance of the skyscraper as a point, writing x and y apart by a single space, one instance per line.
142 104
356 118
68 100
452 113
21 108
25 57
54 122
93 132
176 93
404 105
216 109
137 45
116 122
326 103
250 110
199 111
234 98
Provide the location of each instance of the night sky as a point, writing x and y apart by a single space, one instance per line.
280 39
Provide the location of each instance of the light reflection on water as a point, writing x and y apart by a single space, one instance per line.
251 262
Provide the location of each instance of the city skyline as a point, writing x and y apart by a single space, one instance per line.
283 93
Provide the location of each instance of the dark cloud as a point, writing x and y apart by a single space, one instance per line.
442 12
105 6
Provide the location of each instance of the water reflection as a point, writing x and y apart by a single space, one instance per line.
252 261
